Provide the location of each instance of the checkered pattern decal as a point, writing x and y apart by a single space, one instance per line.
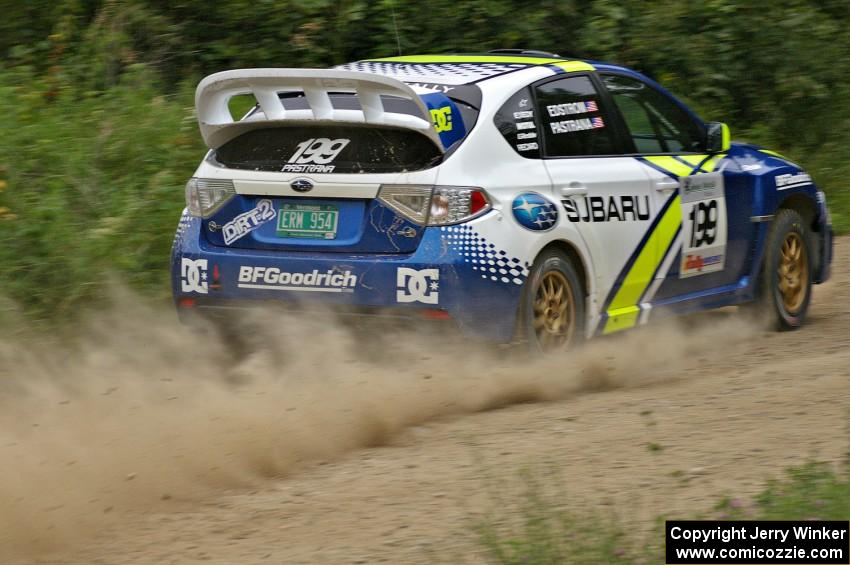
491 263
440 73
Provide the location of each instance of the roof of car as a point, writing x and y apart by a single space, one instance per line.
460 69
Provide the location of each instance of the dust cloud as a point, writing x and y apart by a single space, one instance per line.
136 412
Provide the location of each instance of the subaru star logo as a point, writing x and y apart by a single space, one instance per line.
534 212
301 185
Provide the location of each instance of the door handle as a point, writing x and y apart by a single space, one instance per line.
666 185
574 189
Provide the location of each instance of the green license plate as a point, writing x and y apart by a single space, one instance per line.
307 221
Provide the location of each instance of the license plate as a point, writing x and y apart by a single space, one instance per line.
307 221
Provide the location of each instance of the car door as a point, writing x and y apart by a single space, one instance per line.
710 250
606 195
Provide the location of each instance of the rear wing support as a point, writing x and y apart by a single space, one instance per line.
215 91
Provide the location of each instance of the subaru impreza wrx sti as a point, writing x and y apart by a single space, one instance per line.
518 195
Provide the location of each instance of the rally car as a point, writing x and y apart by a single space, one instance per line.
519 195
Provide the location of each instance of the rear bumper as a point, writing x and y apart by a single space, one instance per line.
453 271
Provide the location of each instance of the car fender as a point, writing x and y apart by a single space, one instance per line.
778 182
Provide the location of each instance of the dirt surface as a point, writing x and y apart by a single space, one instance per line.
663 421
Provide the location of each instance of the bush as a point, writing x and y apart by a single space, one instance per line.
93 185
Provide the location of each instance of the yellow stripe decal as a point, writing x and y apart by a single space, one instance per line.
694 160
774 153
712 163
574 65
621 319
624 309
671 165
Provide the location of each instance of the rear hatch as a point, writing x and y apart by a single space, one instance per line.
307 166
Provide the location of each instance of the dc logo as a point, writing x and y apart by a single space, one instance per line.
442 118
418 286
193 275
319 150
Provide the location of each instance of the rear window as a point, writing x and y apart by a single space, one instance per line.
345 147
515 121
329 149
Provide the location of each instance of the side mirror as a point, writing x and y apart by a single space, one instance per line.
717 138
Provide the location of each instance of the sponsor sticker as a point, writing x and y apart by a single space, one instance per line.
582 124
607 208
524 115
418 285
533 212
442 118
444 88
526 146
272 278
245 223
572 108
314 155
703 224
524 125
193 276
786 181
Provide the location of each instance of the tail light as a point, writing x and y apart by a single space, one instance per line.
435 205
205 196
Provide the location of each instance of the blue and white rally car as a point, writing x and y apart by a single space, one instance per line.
521 195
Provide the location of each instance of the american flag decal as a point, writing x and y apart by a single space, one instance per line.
597 123
591 106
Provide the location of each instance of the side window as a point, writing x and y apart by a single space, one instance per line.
656 123
515 121
571 119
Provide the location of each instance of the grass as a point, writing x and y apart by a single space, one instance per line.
549 532
92 187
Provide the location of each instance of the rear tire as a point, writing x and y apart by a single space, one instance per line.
785 282
552 317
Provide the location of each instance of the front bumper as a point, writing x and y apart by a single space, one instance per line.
453 270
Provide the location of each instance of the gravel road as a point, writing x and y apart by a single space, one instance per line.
663 421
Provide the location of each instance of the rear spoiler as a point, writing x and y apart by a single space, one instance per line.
215 91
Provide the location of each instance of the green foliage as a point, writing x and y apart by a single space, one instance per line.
550 531
814 491
93 186
98 136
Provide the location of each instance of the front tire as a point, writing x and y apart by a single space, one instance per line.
786 277
552 311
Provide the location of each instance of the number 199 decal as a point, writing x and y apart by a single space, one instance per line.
703 224
314 156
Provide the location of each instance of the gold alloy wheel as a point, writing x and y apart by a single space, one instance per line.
554 311
793 272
